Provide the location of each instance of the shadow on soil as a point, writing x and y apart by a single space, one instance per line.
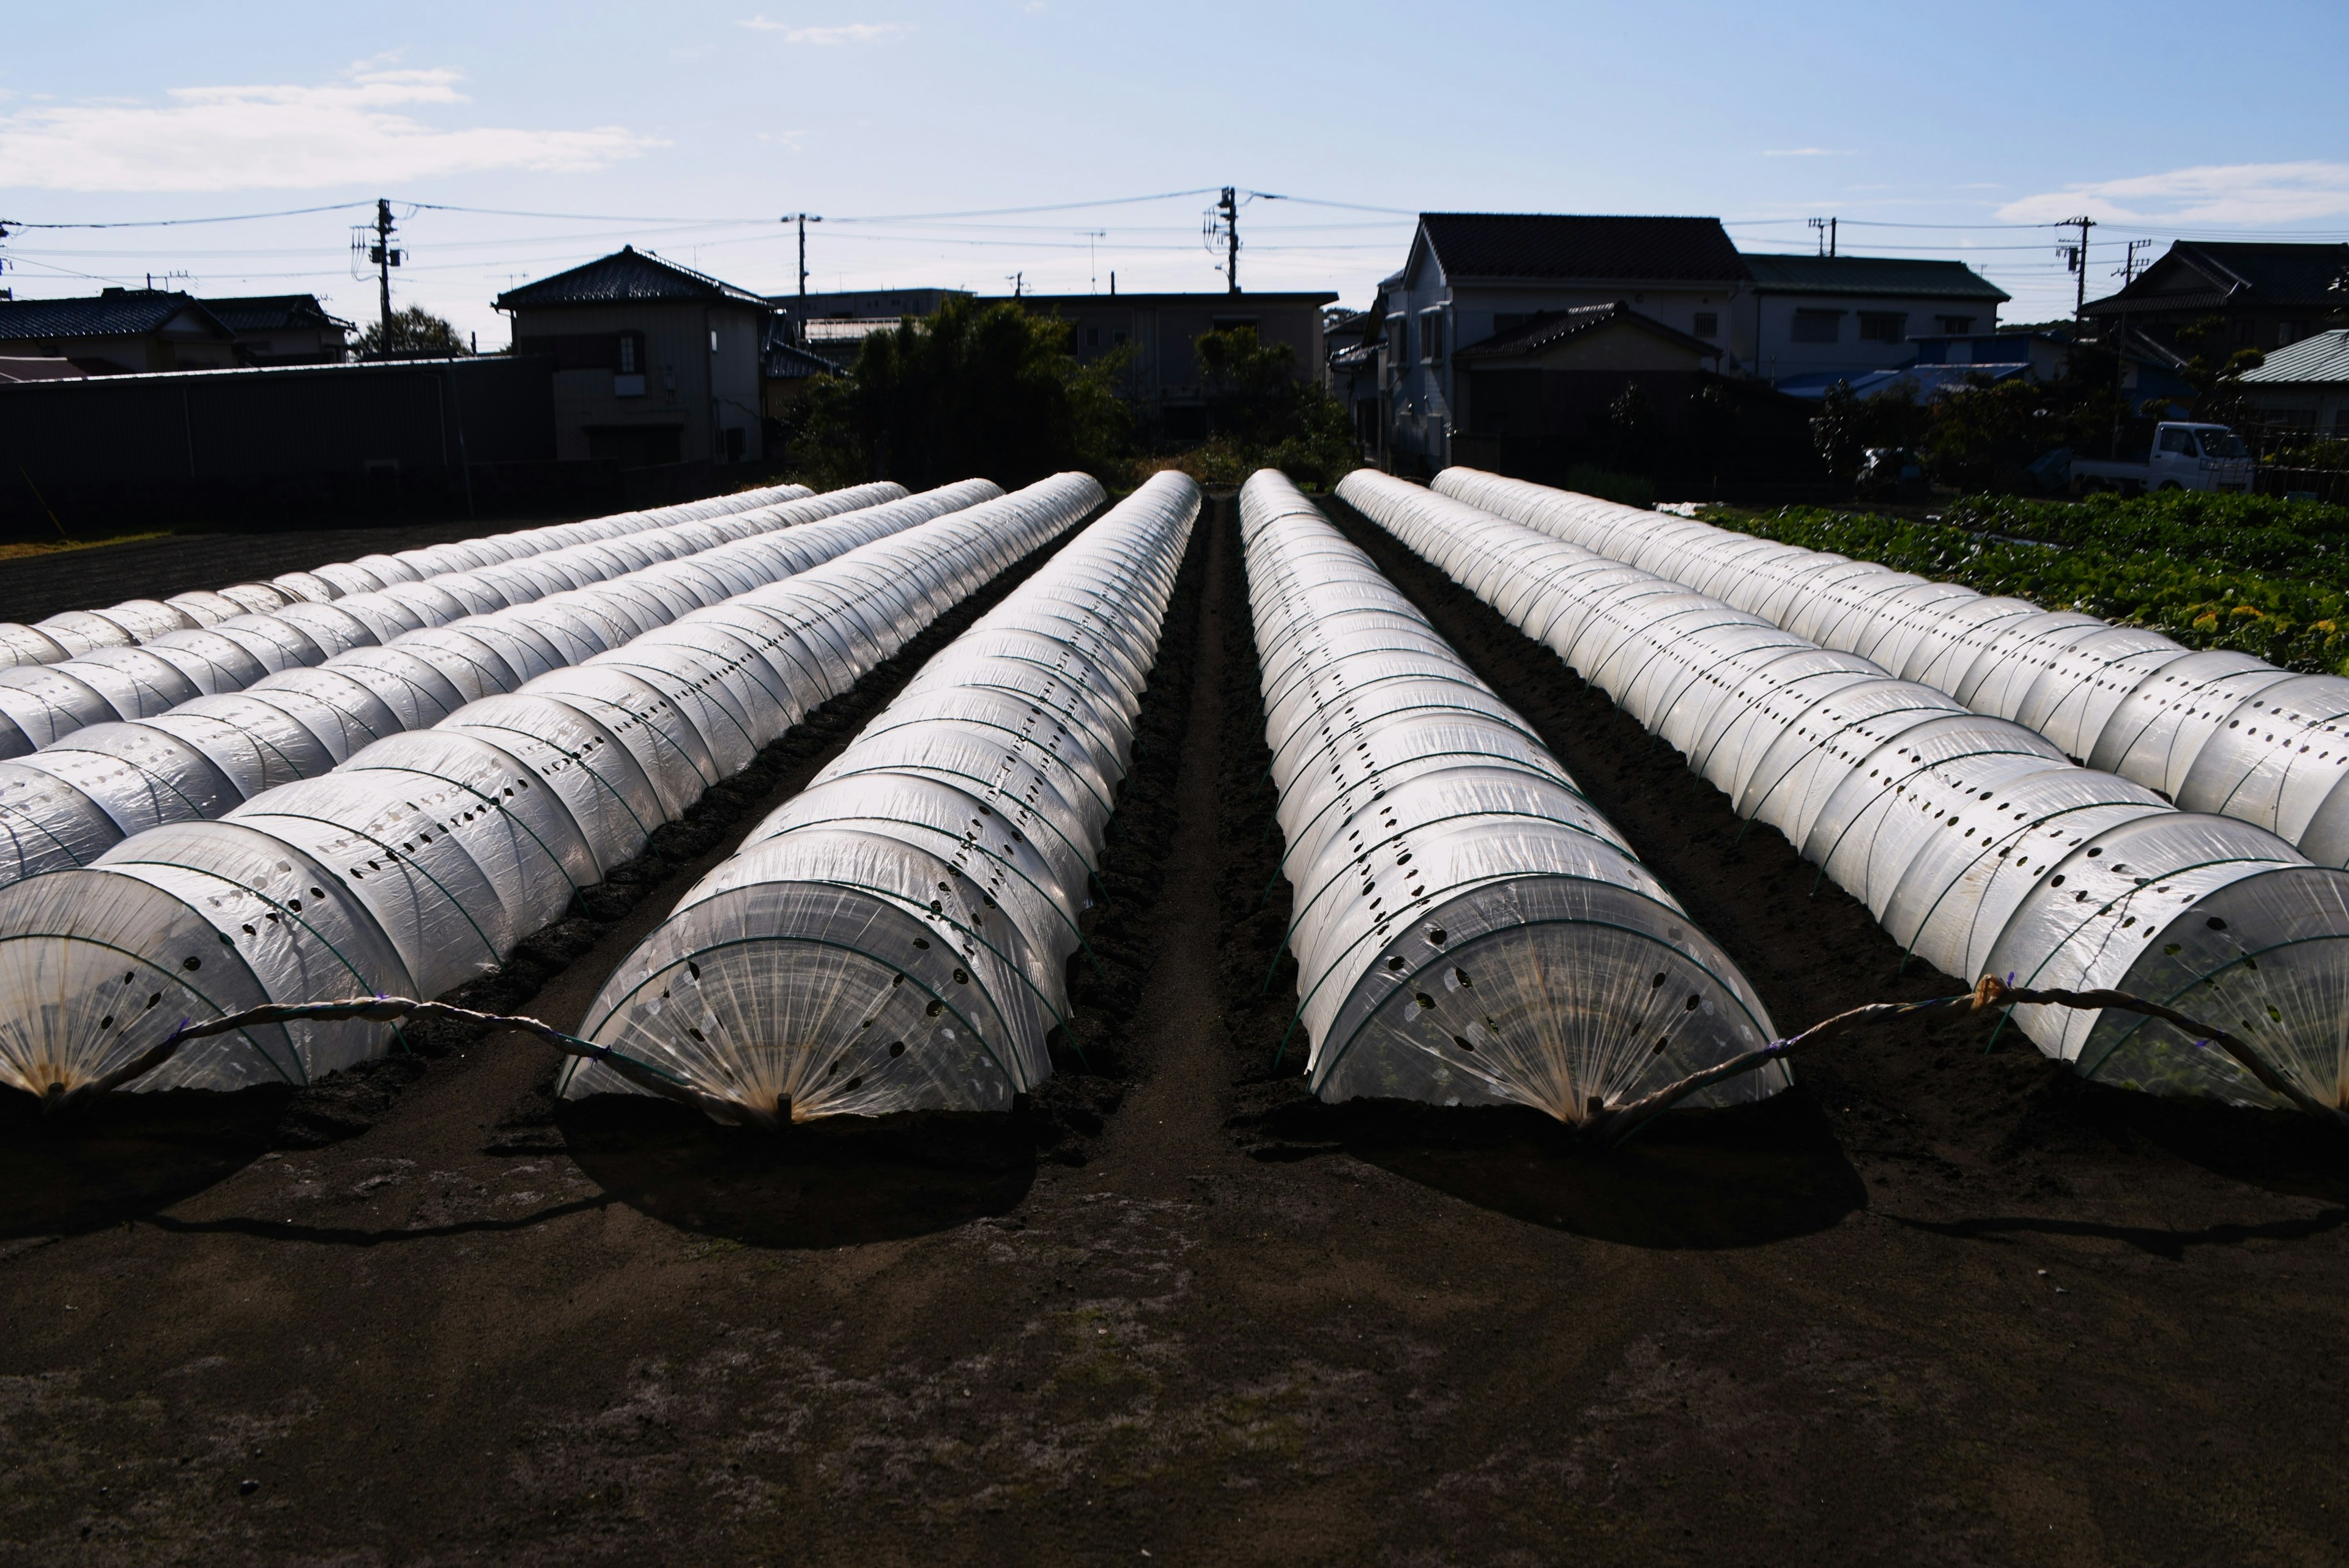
1693 1180
825 1185
125 1156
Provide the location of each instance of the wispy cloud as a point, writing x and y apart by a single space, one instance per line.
284 138
824 38
2231 193
1807 152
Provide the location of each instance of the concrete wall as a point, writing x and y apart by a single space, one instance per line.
698 378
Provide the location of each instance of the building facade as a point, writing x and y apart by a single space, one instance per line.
1820 315
654 363
2304 386
2266 296
1155 334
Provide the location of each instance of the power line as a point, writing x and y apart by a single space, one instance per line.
177 222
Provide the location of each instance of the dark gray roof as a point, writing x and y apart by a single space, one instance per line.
1565 246
1871 275
627 274
259 313
2194 274
1552 326
116 313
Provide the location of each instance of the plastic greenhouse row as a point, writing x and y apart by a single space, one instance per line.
41 704
897 938
1468 929
2215 731
1973 841
420 862
63 805
139 622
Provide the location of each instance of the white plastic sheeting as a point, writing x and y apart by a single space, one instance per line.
67 803
418 862
2214 731
41 704
897 938
1974 842
137 622
1468 929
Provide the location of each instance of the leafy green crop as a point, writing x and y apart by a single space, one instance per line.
2266 576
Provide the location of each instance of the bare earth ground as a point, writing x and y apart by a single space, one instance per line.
1933 1307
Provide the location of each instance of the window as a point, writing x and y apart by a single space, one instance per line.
1955 325
1093 337
2179 441
1818 326
1708 323
2290 332
631 360
1883 327
1398 340
1431 334
1117 339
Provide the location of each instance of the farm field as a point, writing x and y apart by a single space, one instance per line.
2254 574
1934 1305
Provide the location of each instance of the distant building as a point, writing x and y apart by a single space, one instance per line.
119 332
654 363
865 305
1537 396
1850 314
1472 279
1161 376
2269 295
2304 385
284 329
785 369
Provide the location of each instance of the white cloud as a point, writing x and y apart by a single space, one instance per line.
1807 152
284 137
823 37
2231 193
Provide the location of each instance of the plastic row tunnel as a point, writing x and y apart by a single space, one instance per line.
421 862
2214 731
144 622
898 936
65 804
1468 929
41 704
1973 841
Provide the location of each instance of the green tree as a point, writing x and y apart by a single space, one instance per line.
414 330
975 389
1712 427
1264 415
1838 431
1629 435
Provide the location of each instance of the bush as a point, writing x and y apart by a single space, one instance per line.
1607 484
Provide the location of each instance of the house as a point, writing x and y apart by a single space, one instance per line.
865 305
1160 376
117 331
654 363
2303 385
283 329
1539 395
1474 277
2269 295
784 371
1948 362
1847 315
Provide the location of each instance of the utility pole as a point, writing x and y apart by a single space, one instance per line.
1018 281
2127 271
385 258
1827 232
2076 258
803 220
1231 207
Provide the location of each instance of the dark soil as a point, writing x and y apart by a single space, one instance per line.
1933 1307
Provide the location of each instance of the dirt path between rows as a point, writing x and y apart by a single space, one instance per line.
1933 1308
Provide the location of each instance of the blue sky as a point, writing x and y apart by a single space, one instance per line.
688 127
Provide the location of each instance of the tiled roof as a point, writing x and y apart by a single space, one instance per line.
627 275
259 313
1547 246
117 312
1551 326
1871 275
2322 356
2286 276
